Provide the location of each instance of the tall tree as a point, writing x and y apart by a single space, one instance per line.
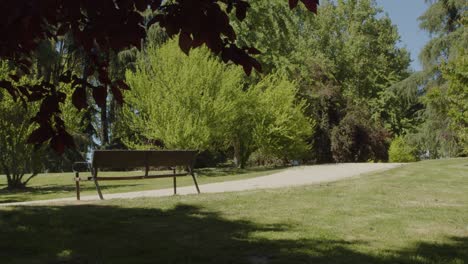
197 102
345 55
178 100
456 74
435 137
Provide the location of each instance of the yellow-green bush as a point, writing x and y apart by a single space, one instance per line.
401 151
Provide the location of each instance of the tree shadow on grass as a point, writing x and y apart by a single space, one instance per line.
22 195
184 234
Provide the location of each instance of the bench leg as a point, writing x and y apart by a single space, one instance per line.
195 181
98 189
175 185
77 185
97 185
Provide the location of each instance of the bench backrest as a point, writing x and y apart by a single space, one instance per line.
142 158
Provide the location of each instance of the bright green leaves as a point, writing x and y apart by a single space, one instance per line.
198 102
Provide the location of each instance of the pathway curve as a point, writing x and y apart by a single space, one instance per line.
296 176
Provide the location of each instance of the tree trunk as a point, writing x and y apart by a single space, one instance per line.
14 182
104 125
238 157
9 180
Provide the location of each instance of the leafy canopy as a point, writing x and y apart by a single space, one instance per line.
200 103
100 28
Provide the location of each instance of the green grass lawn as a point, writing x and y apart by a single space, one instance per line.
414 214
59 185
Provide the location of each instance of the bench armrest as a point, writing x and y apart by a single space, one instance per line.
81 166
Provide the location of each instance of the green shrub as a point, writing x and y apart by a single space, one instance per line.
401 151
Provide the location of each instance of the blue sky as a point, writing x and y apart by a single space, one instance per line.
404 14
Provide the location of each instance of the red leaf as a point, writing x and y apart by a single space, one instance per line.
79 98
65 77
49 105
122 85
226 55
185 42
247 69
311 5
155 4
64 28
40 135
68 139
253 51
293 3
140 5
35 96
57 145
197 42
89 71
61 141
256 65
24 90
9 87
241 10
100 95
117 94
157 18
229 7
14 77
61 97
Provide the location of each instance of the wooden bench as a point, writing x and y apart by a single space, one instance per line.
128 159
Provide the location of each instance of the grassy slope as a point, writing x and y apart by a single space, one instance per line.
415 214
59 185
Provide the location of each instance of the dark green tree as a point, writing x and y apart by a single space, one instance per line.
345 55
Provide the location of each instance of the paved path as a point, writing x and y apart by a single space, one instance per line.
296 176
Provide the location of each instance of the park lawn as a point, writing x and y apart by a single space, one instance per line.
60 185
417 213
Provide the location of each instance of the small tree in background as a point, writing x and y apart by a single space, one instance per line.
401 151
18 161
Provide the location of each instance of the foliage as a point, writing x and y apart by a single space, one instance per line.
100 29
281 129
276 34
435 135
52 59
401 151
197 102
180 100
17 158
443 20
456 73
345 55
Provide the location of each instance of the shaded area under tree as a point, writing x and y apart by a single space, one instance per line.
184 234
